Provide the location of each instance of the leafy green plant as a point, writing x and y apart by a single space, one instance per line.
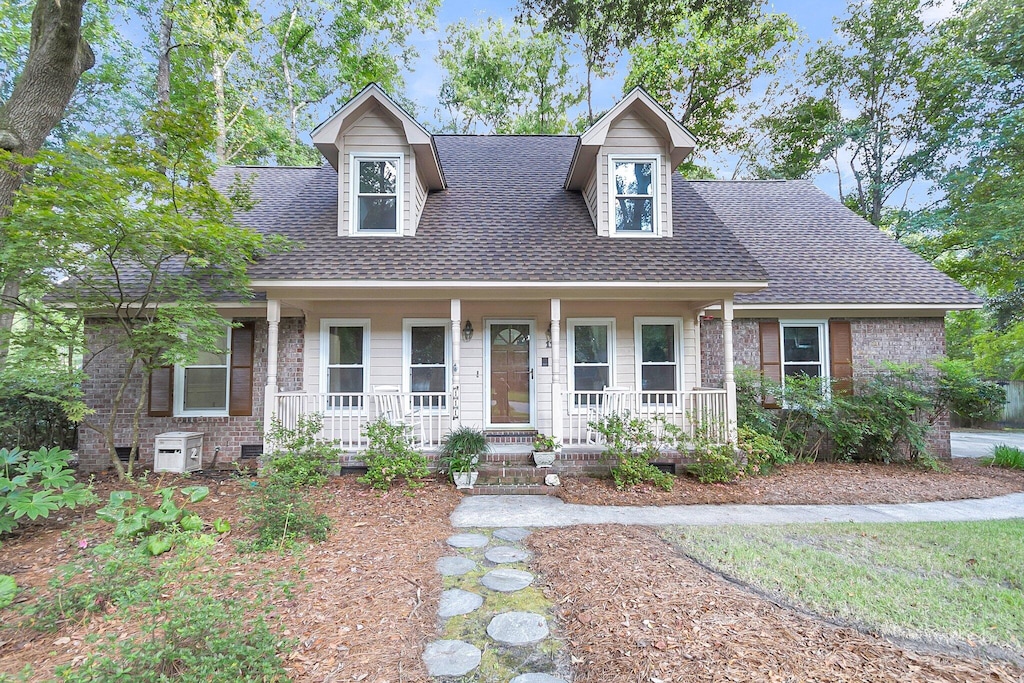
191 636
632 442
1006 456
751 388
713 462
546 444
8 589
156 525
390 456
965 393
281 517
763 452
299 456
36 483
461 450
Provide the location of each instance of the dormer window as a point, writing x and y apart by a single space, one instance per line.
376 188
634 193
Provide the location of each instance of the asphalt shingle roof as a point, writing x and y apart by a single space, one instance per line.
505 217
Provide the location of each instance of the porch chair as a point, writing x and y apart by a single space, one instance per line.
390 403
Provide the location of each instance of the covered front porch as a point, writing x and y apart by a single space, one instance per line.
511 365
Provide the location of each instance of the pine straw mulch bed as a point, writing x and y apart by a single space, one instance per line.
814 483
362 604
633 609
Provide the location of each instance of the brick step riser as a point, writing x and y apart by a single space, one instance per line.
511 490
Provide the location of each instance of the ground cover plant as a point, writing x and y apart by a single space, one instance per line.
34 484
946 583
1006 456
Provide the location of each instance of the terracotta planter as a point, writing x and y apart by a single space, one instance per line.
464 480
544 458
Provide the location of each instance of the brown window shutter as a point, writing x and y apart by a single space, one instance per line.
840 347
240 392
161 392
771 358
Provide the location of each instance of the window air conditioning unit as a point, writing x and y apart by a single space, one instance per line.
178 452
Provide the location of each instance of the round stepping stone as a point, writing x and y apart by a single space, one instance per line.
537 678
454 565
505 554
506 580
450 658
518 628
456 601
514 534
468 541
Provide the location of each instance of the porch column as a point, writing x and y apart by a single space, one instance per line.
556 371
727 366
270 394
456 316
697 351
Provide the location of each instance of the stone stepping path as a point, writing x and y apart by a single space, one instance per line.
505 554
518 628
468 541
451 658
457 601
454 566
506 580
511 635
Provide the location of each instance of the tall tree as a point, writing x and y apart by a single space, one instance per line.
57 57
509 80
707 62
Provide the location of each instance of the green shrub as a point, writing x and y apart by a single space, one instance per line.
190 637
299 457
34 406
37 483
965 393
633 443
281 517
390 456
1006 456
751 388
764 453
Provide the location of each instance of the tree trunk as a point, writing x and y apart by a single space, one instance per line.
163 63
57 58
220 145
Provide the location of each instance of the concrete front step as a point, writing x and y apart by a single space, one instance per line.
510 490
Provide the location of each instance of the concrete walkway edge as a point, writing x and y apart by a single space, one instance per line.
548 511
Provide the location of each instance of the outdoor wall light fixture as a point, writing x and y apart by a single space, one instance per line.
467 331
548 333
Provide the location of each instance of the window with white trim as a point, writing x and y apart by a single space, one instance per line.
803 349
427 361
591 351
658 354
201 388
345 352
376 194
634 194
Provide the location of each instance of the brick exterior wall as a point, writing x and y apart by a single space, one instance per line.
104 365
875 340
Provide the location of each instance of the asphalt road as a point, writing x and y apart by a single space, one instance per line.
980 444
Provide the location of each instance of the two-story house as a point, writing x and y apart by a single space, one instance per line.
530 283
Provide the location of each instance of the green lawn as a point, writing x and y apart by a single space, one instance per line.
938 581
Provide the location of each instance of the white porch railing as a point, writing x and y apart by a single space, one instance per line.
346 415
688 410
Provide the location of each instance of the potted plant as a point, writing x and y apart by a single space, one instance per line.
545 448
460 455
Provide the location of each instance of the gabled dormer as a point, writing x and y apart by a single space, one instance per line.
386 164
623 167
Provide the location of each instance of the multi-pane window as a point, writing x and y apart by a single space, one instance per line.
802 349
376 190
203 385
345 360
427 360
657 354
591 349
633 185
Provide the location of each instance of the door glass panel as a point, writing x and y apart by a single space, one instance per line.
510 373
